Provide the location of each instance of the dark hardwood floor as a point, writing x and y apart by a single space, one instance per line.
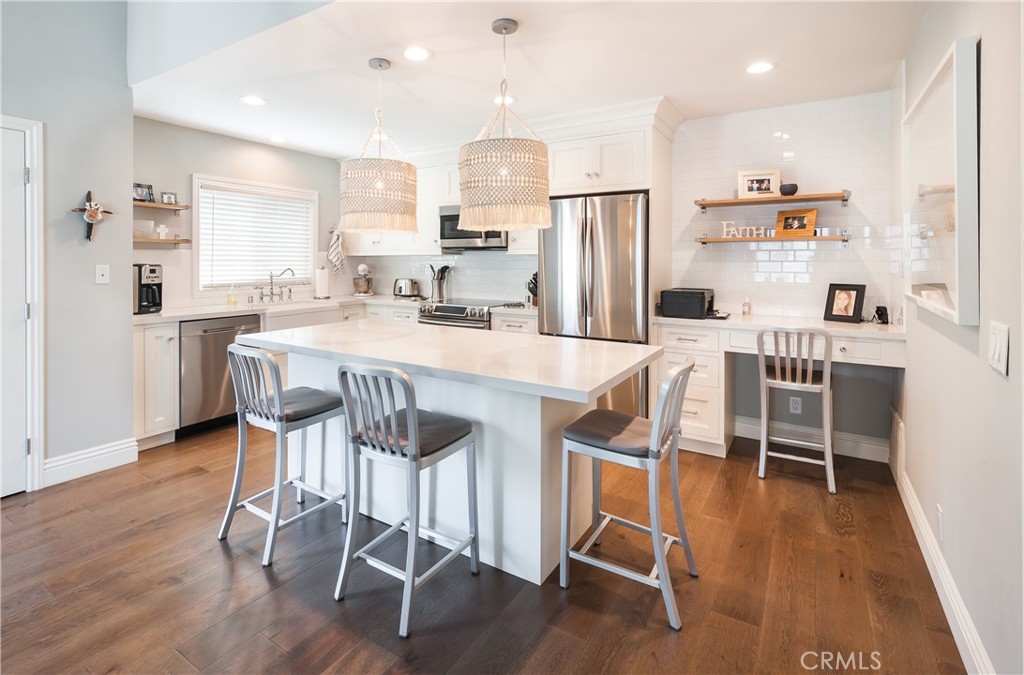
122 572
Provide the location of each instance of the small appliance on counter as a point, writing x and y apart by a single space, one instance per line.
147 288
406 288
363 283
690 303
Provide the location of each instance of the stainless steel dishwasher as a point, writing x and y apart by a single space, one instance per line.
206 391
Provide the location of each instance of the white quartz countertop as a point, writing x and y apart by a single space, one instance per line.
190 313
561 368
757 322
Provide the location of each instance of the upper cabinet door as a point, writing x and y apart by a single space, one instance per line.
610 162
449 185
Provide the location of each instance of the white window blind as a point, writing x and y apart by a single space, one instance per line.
247 230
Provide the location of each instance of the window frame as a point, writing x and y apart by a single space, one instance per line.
254 187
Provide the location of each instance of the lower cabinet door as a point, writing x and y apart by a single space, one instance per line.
160 379
701 416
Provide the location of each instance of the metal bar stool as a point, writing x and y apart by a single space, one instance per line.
411 439
612 436
790 367
257 381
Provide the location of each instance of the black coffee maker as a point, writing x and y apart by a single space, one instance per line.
147 288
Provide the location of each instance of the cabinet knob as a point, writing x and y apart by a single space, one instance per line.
842 349
596 175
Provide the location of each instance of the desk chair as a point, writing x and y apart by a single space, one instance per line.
628 440
257 381
790 367
410 439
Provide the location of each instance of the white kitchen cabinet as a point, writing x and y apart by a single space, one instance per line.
703 402
424 241
610 162
376 312
523 242
404 313
156 377
514 323
449 194
353 312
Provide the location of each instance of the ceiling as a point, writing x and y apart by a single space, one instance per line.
566 57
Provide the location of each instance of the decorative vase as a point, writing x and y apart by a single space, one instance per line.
788 189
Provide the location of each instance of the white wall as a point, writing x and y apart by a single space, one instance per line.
64 65
963 419
167 155
827 146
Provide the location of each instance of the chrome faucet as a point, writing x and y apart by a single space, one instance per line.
280 293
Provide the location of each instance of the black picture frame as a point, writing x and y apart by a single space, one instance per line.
142 192
839 306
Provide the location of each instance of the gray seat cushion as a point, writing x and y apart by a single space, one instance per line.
817 376
303 402
437 430
612 430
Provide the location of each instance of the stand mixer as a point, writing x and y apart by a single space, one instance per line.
362 283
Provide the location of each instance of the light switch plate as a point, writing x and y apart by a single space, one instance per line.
103 274
998 347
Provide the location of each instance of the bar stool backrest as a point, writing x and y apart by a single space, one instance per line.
372 409
665 426
257 381
792 356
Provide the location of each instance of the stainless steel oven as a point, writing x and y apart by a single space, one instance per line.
458 312
454 239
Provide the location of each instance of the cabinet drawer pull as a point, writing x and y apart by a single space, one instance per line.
690 412
513 325
686 339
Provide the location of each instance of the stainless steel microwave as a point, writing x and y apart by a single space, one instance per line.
454 239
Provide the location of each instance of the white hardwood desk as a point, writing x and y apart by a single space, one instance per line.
708 420
519 390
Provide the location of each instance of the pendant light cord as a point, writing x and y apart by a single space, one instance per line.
378 116
504 81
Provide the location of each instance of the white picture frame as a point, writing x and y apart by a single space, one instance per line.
758 183
940 175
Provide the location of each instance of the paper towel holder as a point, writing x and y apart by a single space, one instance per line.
320 285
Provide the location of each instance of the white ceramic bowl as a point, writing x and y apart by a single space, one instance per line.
141 229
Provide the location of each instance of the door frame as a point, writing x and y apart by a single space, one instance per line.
36 348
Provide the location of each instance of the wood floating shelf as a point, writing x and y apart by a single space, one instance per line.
160 242
177 208
843 197
704 241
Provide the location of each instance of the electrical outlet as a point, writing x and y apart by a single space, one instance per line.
103 274
938 518
796 405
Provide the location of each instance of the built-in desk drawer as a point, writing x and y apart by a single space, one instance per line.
684 337
842 348
701 416
706 367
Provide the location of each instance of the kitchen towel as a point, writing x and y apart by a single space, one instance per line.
321 284
335 252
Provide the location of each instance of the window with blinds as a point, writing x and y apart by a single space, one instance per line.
246 230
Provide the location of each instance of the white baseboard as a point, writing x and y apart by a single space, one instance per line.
843 443
91 460
965 633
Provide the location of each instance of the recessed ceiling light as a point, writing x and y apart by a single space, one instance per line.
508 100
277 139
788 155
415 53
781 135
760 67
250 99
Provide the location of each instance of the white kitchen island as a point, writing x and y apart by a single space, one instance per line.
519 390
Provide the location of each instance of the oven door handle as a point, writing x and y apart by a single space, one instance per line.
461 323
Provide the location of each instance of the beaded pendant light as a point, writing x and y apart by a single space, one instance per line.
504 180
378 194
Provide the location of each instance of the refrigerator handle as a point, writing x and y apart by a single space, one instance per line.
588 267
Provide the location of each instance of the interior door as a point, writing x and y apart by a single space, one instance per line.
617 267
13 325
561 289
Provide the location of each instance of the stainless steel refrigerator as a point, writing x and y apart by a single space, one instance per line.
592 281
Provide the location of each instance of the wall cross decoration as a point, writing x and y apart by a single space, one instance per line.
92 212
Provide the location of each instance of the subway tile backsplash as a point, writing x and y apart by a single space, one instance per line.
827 146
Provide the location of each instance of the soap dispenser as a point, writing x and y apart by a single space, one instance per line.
746 306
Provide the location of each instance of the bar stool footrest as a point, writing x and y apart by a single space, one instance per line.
809 445
329 499
457 547
652 578
796 458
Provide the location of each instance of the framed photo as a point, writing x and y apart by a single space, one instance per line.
796 223
844 302
168 197
753 183
142 192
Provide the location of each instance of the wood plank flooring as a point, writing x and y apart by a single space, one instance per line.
122 572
